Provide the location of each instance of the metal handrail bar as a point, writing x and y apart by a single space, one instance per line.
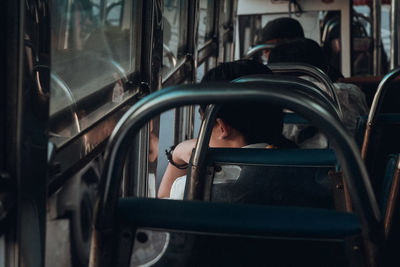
380 94
311 71
308 88
256 49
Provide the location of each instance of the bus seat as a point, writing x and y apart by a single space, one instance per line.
384 141
388 180
390 195
360 130
391 210
294 177
293 118
116 220
266 224
381 133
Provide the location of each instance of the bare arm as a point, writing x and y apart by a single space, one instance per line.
181 155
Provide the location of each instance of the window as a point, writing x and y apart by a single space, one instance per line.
227 11
174 33
363 47
93 51
206 21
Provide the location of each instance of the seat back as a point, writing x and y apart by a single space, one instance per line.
384 140
299 69
381 134
283 177
391 209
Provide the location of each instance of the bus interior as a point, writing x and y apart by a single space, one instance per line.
97 97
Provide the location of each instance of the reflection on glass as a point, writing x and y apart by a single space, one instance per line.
206 21
227 11
200 72
91 55
171 32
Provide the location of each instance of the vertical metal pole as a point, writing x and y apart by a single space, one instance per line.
192 47
220 31
184 117
394 27
150 59
234 24
178 126
142 162
376 28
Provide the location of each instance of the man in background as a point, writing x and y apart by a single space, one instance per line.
279 31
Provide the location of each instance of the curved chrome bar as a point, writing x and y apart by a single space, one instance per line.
308 88
121 70
328 28
254 50
309 70
380 94
195 172
170 55
70 96
357 179
205 131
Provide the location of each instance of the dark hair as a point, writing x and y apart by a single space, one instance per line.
229 71
300 51
256 121
282 28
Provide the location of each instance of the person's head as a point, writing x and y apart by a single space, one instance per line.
299 51
281 30
254 122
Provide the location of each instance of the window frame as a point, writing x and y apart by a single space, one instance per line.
72 154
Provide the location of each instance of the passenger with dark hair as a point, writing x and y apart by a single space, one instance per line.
279 31
351 99
306 51
282 29
237 125
301 50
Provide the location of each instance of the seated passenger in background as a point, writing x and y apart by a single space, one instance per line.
240 124
279 31
283 30
351 99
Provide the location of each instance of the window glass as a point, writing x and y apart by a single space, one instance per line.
174 26
250 28
92 52
362 58
200 72
206 21
227 9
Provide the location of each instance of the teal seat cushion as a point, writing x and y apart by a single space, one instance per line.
237 219
293 118
281 157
